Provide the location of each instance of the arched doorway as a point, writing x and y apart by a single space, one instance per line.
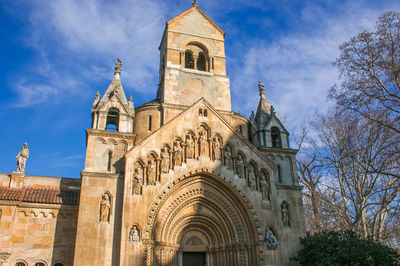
201 218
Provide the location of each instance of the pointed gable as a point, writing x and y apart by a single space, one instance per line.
195 21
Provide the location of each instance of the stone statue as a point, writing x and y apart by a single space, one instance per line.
270 239
265 191
96 99
134 236
203 142
189 147
118 65
177 157
252 178
285 214
151 172
165 160
130 101
105 208
217 149
22 156
261 88
228 158
252 116
137 181
239 166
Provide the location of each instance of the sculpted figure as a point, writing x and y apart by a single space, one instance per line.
228 158
137 181
189 146
165 160
22 156
151 172
105 208
239 166
252 178
96 99
203 142
285 214
217 149
177 153
134 236
264 187
270 239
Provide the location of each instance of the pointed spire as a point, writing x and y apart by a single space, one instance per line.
263 113
195 3
118 68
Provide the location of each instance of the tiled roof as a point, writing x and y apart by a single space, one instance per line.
40 195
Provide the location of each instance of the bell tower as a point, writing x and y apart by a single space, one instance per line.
192 61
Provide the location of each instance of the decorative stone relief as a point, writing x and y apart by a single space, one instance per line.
189 146
22 156
165 161
285 210
105 208
270 239
151 171
203 142
228 157
134 235
252 177
216 149
239 167
177 157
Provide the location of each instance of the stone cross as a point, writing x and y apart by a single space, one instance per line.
118 67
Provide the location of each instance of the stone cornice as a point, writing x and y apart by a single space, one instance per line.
106 133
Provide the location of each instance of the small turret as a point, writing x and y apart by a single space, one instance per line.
113 111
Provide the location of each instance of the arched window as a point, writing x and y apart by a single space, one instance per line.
112 119
58 264
201 62
40 264
276 137
109 161
189 63
20 263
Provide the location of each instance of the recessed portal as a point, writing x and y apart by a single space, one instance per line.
194 258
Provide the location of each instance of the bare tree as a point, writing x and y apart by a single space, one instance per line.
369 65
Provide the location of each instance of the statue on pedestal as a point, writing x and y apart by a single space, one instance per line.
22 156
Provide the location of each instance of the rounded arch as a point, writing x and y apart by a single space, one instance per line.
112 122
196 42
205 203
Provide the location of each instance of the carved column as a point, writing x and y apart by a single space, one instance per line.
158 170
195 57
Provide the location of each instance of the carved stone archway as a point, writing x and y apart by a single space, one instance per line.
203 209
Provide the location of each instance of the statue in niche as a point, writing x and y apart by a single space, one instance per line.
134 235
285 214
252 178
203 142
228 158
105 208
239 166
216 149
189 146
22 156
270 239
137 181
264 187
165 160
177 153
151 171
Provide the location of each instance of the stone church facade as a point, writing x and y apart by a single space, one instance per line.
180 180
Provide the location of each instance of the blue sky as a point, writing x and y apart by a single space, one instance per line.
55 55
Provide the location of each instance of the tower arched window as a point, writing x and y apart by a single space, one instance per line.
189 62
112 119
201 62
276 137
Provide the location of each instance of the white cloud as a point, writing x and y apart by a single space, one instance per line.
296 68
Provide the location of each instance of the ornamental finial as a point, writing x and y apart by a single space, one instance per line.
261 88
195 3
118 67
